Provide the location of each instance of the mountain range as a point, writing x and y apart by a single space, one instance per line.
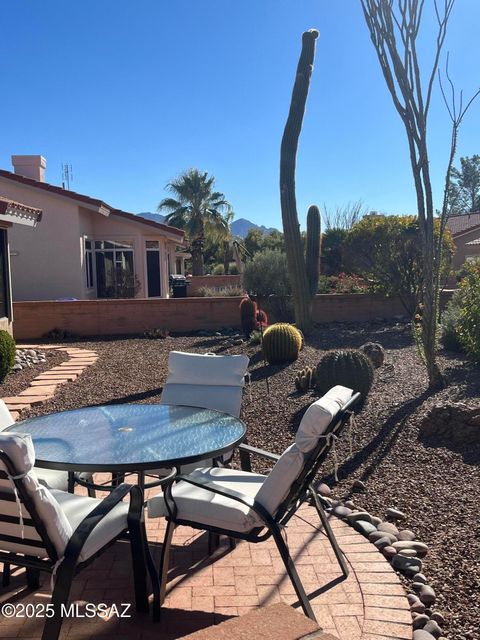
239 227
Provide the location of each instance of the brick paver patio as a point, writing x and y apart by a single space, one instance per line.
202 591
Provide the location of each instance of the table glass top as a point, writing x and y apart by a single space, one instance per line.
130 436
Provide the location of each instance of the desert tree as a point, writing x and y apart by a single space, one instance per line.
394 27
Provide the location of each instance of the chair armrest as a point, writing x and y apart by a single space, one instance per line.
249 502
88 524
245 450
259 452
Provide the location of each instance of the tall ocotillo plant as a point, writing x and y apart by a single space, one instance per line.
288 158
312 252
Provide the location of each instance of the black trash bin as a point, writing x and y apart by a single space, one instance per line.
178 284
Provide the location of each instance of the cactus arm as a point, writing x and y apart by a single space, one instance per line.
288 158
312 254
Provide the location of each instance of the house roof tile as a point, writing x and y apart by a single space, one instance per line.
463 223
6 203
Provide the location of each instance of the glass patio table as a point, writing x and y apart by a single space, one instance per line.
130 437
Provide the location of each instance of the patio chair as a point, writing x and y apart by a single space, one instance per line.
206 381
249 506
61 533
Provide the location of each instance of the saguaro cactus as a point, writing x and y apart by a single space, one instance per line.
288 159
312 252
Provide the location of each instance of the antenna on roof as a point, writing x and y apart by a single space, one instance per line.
67 175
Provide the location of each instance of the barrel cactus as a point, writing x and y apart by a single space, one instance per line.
281 343
248 315
350 368
304 379
375 352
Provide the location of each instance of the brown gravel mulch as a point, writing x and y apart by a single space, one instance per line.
435 485
16 382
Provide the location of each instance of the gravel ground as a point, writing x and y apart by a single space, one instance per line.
437 487
20 380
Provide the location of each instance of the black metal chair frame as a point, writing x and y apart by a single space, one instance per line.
69 567
302 489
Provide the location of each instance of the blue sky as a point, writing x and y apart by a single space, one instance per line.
131 93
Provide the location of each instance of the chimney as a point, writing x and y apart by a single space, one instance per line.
30 167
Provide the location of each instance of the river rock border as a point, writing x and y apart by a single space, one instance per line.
43 387
402 549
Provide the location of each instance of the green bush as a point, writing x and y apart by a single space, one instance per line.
450 323
7 354
468 327
267 275
218 270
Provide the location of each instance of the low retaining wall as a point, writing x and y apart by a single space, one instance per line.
218 283
113 317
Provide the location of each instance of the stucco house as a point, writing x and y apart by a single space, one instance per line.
465 230
84 248
12 215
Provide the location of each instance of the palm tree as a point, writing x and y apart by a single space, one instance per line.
197 209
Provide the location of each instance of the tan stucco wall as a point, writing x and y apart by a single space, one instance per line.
463 251
45 260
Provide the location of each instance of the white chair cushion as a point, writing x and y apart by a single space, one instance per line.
200 505
227 399
319 415
278 482
76 508
194 368
19 448
52 479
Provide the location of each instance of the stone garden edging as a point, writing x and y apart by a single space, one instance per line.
43 387
404 552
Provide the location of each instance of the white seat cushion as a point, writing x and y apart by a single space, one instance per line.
52 479
76 508
204 507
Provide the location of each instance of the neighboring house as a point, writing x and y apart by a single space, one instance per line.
465 230
84 248
12 214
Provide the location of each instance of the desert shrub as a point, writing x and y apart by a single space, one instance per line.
343 283
449 336
233 269
267 275
255 337
468 326
7 354
387 252
211 292
155 334
59 334
218 270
